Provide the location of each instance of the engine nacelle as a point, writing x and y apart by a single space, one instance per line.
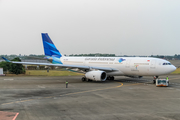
96 75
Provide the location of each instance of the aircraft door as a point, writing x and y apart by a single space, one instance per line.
153 64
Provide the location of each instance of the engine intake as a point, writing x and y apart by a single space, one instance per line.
96 75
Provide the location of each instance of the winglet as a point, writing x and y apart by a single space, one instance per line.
6 59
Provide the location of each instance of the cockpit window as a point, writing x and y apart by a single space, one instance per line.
166 63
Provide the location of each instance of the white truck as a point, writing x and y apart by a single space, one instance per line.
162 82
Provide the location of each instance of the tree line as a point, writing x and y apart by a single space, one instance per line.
13 68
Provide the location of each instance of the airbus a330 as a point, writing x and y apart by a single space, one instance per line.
103 68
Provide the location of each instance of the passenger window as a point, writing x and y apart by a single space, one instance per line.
163 63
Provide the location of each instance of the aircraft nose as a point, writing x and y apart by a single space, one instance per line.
173 68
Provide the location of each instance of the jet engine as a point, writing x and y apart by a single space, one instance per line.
96 75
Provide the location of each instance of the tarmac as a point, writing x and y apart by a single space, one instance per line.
47 98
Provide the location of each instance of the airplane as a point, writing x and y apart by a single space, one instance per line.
103 68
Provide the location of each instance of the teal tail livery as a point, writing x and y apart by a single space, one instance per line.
102 68
50 50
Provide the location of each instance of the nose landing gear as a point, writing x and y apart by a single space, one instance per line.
155 77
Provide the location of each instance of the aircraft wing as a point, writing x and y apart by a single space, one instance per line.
65 66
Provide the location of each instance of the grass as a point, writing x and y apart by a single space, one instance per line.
177 71
45 73
51 73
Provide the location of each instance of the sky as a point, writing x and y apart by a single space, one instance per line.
121 27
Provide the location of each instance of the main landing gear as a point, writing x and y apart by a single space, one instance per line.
155 77
83 79
110 78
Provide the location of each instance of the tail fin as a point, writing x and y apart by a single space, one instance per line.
49 47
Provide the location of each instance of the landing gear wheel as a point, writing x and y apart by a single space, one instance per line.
112 78
108 78
83 79
154 81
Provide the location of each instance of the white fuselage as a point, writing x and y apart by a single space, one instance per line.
135 66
